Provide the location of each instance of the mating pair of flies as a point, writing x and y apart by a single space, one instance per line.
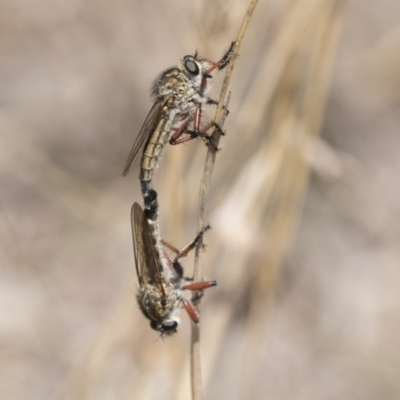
175 117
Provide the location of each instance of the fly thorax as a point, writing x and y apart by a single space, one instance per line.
165 84
153 305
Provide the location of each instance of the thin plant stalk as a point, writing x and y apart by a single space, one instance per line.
195 361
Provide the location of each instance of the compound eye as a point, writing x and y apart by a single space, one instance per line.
170 326
165 327
192 66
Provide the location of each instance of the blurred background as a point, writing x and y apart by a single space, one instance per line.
304 200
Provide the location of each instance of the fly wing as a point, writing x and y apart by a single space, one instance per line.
146 256
149 125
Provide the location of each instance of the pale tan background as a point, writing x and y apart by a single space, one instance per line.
74 86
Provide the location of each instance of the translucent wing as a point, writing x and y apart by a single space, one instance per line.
148 127
148 267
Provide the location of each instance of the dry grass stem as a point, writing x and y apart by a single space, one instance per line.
196 377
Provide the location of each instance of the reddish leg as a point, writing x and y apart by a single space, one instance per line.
200 285
193 313
194 286
183 129
189 306
180 131
185 251
170 246
192 134
221 64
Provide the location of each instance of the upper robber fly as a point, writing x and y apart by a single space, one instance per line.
161 280
179 94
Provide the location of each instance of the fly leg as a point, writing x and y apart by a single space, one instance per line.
176 137
206 137
197 287
215 103
221 64
189 306
185 251
183 134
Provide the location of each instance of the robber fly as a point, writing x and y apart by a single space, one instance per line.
161 280
179 94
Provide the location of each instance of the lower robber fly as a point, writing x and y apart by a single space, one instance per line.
176 113
161 280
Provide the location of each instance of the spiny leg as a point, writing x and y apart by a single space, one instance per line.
178 137
215 103
190 309
189 306
192 134
185 251
183 129
198 289
180 131
221 64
